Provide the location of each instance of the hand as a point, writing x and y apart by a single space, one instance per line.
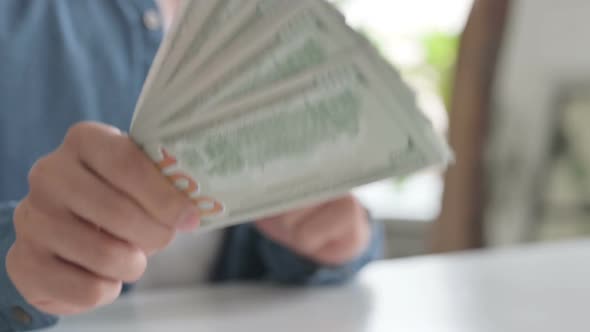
97 207
332 233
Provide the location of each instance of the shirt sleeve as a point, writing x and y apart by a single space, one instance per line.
15 313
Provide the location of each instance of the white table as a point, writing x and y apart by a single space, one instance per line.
541 289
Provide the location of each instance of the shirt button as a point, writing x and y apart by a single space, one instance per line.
152 20
20 315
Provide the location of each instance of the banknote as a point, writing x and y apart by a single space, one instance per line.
204 26
305 38
308 139
191 29
225 30
256 107
158 71
207 19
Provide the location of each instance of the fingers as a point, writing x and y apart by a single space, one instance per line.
331 233
79 243
120 162
80 192
57 287
96 207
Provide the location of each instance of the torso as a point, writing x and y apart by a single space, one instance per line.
63 62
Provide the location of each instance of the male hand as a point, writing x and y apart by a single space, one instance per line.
97 207
332 233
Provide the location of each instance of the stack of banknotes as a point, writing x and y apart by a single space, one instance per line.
256 107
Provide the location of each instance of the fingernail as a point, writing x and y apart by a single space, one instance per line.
190 220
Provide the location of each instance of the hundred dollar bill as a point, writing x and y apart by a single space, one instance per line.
192 28
234 17
202 27
157 70
305 38
196 29
311 138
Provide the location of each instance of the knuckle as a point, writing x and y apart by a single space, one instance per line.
40 172
25 226
20 218
94 136
76 133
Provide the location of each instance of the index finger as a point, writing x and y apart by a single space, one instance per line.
119 161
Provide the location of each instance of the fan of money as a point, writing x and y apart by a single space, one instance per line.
256 107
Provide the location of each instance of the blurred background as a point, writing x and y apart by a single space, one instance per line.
513 107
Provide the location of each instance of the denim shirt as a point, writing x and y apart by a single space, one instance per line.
65 61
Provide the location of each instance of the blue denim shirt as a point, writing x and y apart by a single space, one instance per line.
65 61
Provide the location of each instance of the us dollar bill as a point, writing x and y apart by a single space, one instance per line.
305 38
228 22
310 138
203 30
256 107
